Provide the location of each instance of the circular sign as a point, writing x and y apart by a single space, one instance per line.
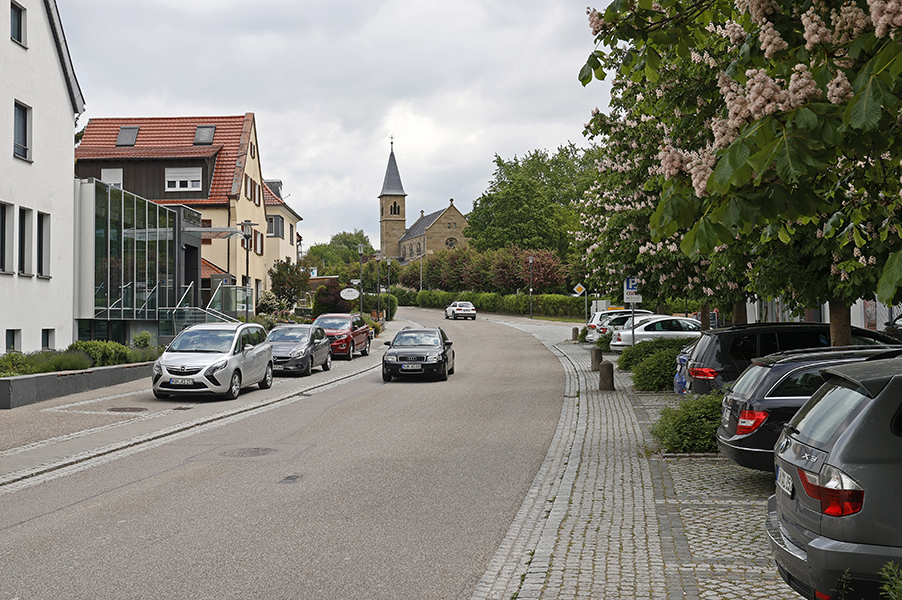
349 294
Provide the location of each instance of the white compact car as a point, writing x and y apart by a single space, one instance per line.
214 358
461 310
655 326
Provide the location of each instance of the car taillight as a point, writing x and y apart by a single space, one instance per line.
839 494
750 420
616 337
702 373
591 325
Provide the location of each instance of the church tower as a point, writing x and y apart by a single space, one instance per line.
392 214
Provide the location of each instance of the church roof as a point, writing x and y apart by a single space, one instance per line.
392 184
422 224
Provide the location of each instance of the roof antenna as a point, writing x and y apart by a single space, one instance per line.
392 138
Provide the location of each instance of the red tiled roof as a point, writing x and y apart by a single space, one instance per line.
173 137
207 268
269 198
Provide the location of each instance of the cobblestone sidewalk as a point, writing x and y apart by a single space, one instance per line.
608 517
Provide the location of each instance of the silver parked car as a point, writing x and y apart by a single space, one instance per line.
299 348
214 358
649 327
833 522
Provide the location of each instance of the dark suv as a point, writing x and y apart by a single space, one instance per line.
720 355
768 394
833 521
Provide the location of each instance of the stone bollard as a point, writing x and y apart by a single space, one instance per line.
575 335
596 356
606 376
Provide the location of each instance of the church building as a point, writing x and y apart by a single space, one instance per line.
432 233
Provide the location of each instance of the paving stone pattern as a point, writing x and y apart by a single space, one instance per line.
610 517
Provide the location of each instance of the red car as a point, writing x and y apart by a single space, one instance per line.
348 333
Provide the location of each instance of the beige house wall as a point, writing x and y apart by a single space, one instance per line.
391 227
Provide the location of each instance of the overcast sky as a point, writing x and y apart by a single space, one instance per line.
454 82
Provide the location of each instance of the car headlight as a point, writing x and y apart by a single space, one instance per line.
433 358
157 369
217 367
391 358
297 352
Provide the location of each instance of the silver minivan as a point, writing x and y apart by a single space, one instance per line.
214 358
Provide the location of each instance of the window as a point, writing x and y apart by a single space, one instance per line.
291 233
258 242
43 245
128 135
25 227
275 226
450 243
112 177
203 135
22 133
184 180
13 339
5 236
47 341
17 23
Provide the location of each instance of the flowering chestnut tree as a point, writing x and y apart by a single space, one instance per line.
807 135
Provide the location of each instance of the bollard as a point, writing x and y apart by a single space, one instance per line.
595 354
606 376
575 335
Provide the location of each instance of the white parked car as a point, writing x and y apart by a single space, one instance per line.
214 358
461 310
655 327
603 316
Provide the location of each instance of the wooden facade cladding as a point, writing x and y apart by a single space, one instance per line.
147 178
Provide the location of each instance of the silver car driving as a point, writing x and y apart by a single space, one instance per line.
214 358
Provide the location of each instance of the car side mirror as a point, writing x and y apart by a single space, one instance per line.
388 343
448 342
248 347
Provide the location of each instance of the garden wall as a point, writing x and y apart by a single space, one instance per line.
29 389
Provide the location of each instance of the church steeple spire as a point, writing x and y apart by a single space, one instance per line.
392 184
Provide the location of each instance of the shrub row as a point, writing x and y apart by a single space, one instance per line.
634 355
552 305
79 355
692 426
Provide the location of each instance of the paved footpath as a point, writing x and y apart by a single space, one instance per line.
610 517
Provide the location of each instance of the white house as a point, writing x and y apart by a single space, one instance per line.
39 101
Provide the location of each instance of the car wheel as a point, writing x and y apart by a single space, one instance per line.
446 315
386 376
160 395
234 386
454 316
474 317
266 383
328 364
309 368
366 349
451 370
351 351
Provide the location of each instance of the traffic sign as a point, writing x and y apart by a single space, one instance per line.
349 294
631 290
579 289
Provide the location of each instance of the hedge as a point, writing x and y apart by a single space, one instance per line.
552 305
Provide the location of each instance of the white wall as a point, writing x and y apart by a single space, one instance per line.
34 77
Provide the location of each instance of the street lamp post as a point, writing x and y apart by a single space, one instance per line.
531 259
388 289
378 287
248 234
360 248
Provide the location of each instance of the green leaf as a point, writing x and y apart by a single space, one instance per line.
585 75
805 118
890 279
864 109
789 166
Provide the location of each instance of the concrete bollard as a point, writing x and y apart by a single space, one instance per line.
575 334
596 356
606 376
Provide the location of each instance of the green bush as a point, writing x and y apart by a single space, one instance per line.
692 426
385 301
374 325
404 296
102 353
139 355
892 581
634 355
142 339
50 361
604 342
656 372
583 333
12 364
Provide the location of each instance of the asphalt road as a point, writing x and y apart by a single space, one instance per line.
362 490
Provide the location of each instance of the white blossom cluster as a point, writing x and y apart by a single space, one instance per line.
730 31
887 16
771 41
839 89
596 22
816 30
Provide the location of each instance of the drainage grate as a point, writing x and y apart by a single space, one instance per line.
126 409
248 452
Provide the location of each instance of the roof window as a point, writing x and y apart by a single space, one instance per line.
127 136
203 135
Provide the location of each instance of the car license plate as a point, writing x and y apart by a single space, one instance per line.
180 381
278 368
411 367
784 481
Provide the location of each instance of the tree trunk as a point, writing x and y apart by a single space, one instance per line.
662 309
705 317
840 323
740 314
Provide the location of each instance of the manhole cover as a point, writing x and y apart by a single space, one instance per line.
248 452
126 409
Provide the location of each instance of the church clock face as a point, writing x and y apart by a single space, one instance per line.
450 243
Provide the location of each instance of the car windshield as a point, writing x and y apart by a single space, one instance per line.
422 338
334 323
201 340
288 335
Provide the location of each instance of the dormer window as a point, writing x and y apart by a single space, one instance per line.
203 135
127 136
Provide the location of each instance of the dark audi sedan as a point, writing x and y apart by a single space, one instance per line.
419 352
300 348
